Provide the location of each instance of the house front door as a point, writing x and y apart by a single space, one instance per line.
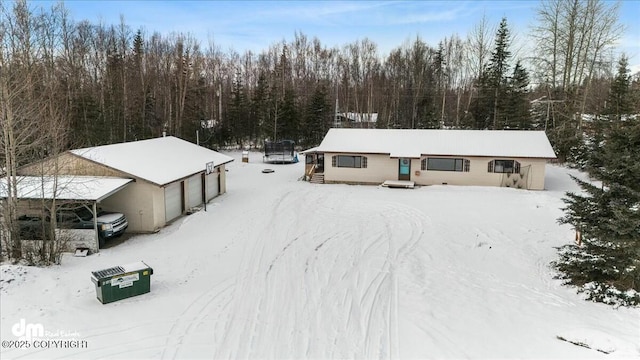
404 169
320 165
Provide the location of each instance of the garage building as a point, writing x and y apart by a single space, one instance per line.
170 177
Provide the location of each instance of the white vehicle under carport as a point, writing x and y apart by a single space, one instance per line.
110 224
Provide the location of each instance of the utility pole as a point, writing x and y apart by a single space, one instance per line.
219 103
336 124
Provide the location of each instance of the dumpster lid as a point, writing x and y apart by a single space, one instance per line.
110 272
136 266
119 270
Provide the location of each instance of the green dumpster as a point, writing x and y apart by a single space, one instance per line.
121 282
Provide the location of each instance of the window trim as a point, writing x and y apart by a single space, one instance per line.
465 164
514 169
362 160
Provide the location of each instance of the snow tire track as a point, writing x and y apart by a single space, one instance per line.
314 292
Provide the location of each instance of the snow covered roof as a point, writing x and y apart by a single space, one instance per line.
94 188
312 150
159 160
360 117
414 143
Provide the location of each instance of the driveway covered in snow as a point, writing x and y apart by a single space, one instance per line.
280 268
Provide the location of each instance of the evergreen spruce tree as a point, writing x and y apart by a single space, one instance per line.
490 103
113 98
482 105
517 111
594 143
607 264
237 121
260 107
317 118
288 117
194 113
137 96
152 120
619 103
621 98
86 121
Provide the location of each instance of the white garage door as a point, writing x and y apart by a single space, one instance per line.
173 201
212 185
195 190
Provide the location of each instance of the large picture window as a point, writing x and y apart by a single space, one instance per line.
445 164
349 161
504 166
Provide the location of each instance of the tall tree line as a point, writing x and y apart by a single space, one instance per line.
573 39
121 84
33 106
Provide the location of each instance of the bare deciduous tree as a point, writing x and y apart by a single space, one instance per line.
30 105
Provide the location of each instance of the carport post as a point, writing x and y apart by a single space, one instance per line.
95 222
95 226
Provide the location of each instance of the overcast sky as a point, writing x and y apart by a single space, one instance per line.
255 25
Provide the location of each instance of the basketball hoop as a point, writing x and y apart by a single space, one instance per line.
209 168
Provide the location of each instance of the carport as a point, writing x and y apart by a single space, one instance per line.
86 190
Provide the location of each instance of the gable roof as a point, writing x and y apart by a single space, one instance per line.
95 188
416 142
159 160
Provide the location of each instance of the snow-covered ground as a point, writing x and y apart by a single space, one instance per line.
280 268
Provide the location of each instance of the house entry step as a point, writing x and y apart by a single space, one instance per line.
403 184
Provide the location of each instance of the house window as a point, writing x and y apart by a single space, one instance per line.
504 166
349 161
445 164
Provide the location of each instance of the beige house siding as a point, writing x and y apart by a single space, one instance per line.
379 168
159 219
532 169
382 167
536 173
136 202
69 164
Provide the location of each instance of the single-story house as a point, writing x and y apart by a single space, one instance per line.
512 158
170 177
